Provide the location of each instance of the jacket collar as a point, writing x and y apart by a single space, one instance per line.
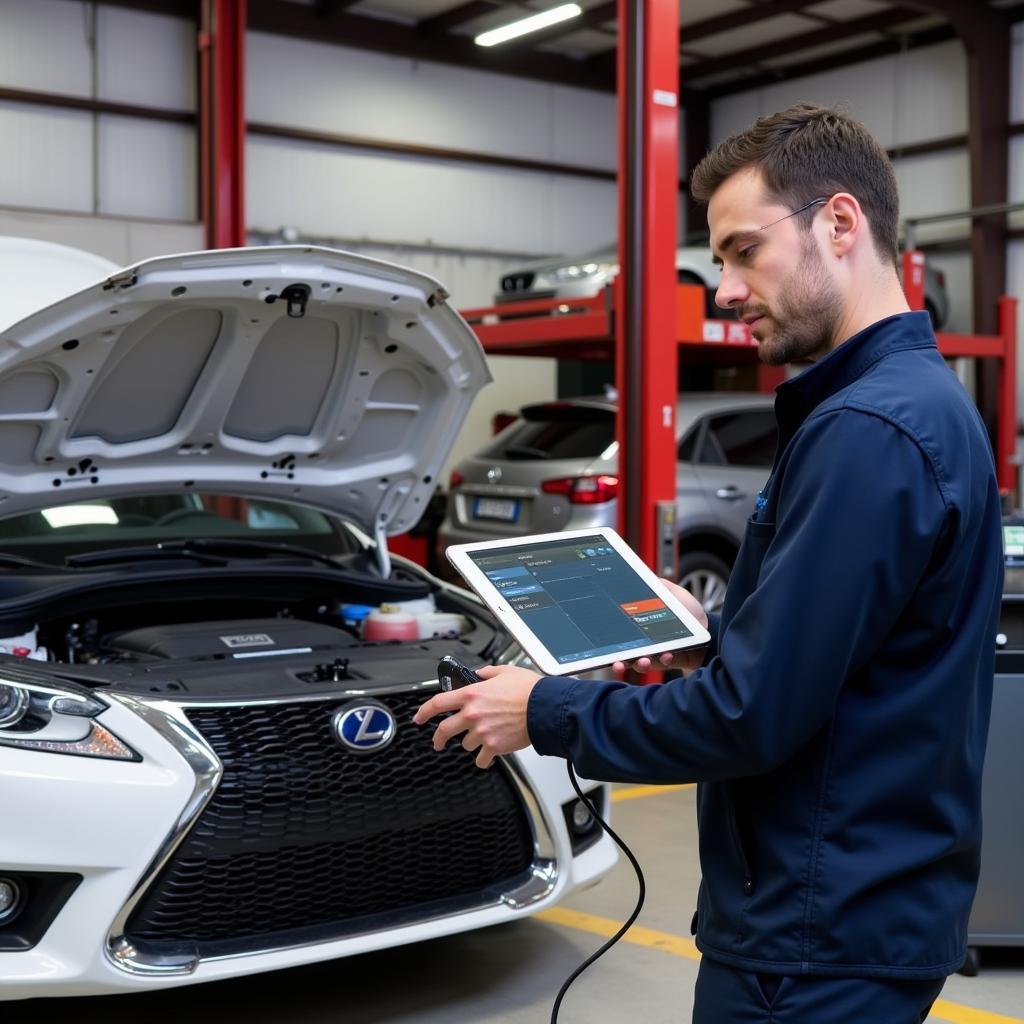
849 360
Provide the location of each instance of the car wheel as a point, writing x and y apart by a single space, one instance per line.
705 576
710 309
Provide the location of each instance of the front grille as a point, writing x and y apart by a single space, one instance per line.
304 836
517 282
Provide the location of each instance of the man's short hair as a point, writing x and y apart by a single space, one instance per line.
807 152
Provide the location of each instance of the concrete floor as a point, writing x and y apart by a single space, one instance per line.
510 974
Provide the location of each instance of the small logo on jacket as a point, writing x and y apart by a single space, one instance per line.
365 728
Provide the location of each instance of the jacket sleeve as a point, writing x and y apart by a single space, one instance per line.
858 516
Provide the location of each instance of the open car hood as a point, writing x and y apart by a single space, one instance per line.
290 372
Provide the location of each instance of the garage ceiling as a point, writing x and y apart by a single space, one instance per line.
724 45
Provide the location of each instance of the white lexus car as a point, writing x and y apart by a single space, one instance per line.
207 769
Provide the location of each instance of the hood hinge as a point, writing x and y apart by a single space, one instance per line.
122 279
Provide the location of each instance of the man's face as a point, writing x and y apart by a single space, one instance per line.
773 273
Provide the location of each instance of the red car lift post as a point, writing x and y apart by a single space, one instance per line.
221 43
646 352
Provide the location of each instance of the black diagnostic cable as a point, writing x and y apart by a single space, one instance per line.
452 674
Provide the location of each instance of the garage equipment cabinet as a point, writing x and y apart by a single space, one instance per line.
998 915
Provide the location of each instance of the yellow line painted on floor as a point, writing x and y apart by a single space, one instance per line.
607 927
677 945
954 1013
639 792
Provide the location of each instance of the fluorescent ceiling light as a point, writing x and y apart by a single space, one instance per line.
530 24
80 515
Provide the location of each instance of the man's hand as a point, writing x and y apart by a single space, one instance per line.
492 714
689 660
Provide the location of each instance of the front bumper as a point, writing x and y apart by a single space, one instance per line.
121 826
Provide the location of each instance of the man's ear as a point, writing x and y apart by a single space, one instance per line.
846 222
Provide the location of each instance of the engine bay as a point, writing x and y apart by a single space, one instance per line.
200 645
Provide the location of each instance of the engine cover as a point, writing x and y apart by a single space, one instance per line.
233 639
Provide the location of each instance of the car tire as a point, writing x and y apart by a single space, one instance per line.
710 309
705 576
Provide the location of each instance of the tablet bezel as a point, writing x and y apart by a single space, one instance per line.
546 662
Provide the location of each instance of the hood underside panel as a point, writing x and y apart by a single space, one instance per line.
311 375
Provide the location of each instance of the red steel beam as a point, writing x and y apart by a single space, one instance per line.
222 121
646 350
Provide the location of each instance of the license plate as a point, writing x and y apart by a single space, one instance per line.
506 509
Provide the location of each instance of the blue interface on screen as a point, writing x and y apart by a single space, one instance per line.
580 598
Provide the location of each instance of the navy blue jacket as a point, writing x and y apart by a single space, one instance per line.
838 725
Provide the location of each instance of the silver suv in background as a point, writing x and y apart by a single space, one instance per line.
555 467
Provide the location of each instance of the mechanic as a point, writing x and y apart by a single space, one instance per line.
837 724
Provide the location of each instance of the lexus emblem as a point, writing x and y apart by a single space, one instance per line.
365 727
494 474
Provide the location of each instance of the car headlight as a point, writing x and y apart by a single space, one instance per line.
579 271
36 717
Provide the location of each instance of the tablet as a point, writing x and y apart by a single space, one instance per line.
577 600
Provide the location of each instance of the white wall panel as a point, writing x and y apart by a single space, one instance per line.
1016 186
584 128
935 183
325 191
733 114
333 89
146 59
44 46
906 98
147 168
120 239
931 93
46 157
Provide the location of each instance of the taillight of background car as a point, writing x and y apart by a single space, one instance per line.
584 490
455 480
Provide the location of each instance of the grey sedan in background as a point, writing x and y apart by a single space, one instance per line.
555 467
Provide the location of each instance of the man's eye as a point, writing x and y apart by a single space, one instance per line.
745 254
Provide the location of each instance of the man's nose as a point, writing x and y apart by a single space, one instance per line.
732 290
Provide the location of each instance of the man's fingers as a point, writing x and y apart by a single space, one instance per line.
493 671
448 730
438 705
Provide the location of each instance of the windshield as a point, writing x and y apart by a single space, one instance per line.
53 533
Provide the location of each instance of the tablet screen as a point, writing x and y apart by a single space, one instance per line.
580 597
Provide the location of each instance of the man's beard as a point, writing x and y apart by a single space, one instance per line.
809 306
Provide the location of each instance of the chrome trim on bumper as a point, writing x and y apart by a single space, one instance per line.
169 721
